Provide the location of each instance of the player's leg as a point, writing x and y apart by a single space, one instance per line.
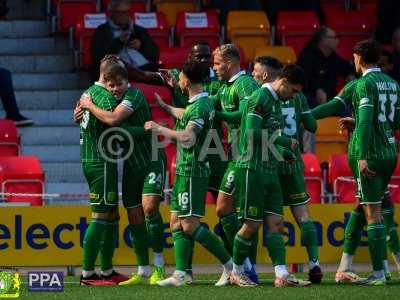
295 195
248 184
352 236
191 207
393 242
225 206
371 193
273 210
103 200
153 191
132 187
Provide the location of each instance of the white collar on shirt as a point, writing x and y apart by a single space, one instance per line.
100 84
371 70
269 87
198 96
212 73
234 77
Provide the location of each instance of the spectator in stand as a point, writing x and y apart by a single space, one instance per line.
8 98
323 66
396 55
386 62
119 35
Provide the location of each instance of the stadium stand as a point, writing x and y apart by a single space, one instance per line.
172 8
22 174
313 177
248 29
329 139
157 26
69 13
198 26
284 54
294 28
341 179
149 90
9 139
173 57
137 6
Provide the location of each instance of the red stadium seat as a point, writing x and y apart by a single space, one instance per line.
294 28
69 12
313 177
394 186
136 6
341 178
157 26
173 57
351 27
161 117
210 198
170 152
84 30
149 90
9 138
22 174
193 27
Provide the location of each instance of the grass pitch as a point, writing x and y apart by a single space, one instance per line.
204 289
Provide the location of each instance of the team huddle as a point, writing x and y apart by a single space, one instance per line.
258 172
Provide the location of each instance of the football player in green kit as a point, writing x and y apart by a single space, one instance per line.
357 221
143 178
258 186
229 103
295 114
192 174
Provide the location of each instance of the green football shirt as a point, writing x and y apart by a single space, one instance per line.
189 161
91 129
295 115
375 109
239 88
253 154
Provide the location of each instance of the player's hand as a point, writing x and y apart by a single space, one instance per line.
364 170
151 125
159 100
78 113
168 78
347 123
86 101
135 44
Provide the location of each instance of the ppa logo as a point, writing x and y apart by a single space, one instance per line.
46 281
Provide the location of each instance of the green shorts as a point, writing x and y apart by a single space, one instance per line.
189 196
102 178
371 190
294 189
258 194
228 180
137 183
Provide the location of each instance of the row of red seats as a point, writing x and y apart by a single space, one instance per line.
18 174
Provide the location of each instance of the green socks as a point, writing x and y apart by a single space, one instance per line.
230 225
376 243
108 247
309 239
353 231
92 243
276 248
391 227
211 242
191 253
155 228
181 249
139 243
241 249
253 250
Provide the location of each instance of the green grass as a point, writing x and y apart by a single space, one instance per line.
204 289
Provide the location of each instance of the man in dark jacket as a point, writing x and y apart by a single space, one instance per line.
322 66
119 35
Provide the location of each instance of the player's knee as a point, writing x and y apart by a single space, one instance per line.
150 208
135 215
223 207
189 225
